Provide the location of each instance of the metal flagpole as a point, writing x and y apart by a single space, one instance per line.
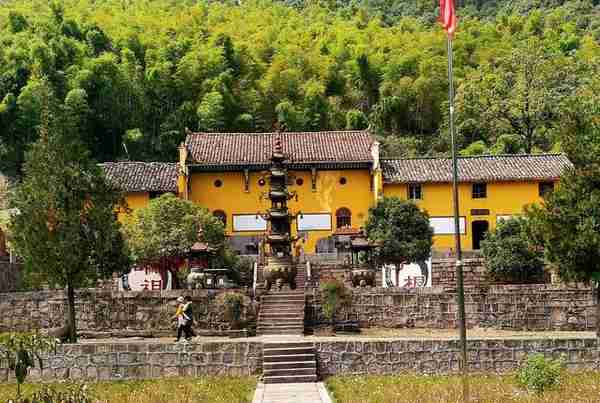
460 291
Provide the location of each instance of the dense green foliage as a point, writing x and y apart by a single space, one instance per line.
137 72
401 231
168 227
571 209
334 296
510 256
162 234
539 373
65 227
233 306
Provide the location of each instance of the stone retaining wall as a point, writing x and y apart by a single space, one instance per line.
103 313
443 274
516 307
114 361
441 356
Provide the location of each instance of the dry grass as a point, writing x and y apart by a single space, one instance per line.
582 387
477 333
180 390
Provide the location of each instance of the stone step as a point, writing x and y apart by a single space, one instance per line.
294 327
283 309
288 358
290 365
298 295
280 332
286 344
280 324
279 314
288 351
283 299
298 319
291 371
291 379
271 323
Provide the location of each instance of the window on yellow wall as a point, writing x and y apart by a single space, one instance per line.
479 190
155 195
545 188
415 191
221 215
343 218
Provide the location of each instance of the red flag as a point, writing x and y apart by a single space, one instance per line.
448 16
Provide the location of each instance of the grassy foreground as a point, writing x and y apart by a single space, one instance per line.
180 390
581 387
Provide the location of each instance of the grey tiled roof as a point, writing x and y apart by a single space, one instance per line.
142 176
300 147
474 169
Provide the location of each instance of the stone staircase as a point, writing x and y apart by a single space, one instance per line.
282 312
289 362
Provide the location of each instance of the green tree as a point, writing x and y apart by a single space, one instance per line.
567 225
66 230
510 256
162 234
401 231
520 96
211 112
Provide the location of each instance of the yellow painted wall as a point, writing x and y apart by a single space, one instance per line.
329 196
503 198
134 200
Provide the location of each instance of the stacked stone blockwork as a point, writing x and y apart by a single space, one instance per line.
113 361
102 313
109 361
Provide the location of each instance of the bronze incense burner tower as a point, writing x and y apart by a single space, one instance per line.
280 270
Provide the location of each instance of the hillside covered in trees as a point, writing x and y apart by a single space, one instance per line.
135 73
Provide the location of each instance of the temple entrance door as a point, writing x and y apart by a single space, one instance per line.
479 228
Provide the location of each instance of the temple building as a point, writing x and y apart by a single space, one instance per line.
337 176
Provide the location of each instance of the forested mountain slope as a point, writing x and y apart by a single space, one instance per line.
136 73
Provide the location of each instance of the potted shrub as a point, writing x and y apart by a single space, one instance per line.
233 306
334 296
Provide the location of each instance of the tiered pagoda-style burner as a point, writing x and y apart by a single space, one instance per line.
280 270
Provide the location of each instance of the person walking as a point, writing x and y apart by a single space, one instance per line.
188 318
179 317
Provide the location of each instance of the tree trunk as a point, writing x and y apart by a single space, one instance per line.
71 314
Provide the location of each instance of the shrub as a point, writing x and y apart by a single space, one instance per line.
539 373
233 304
509 254
334 295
